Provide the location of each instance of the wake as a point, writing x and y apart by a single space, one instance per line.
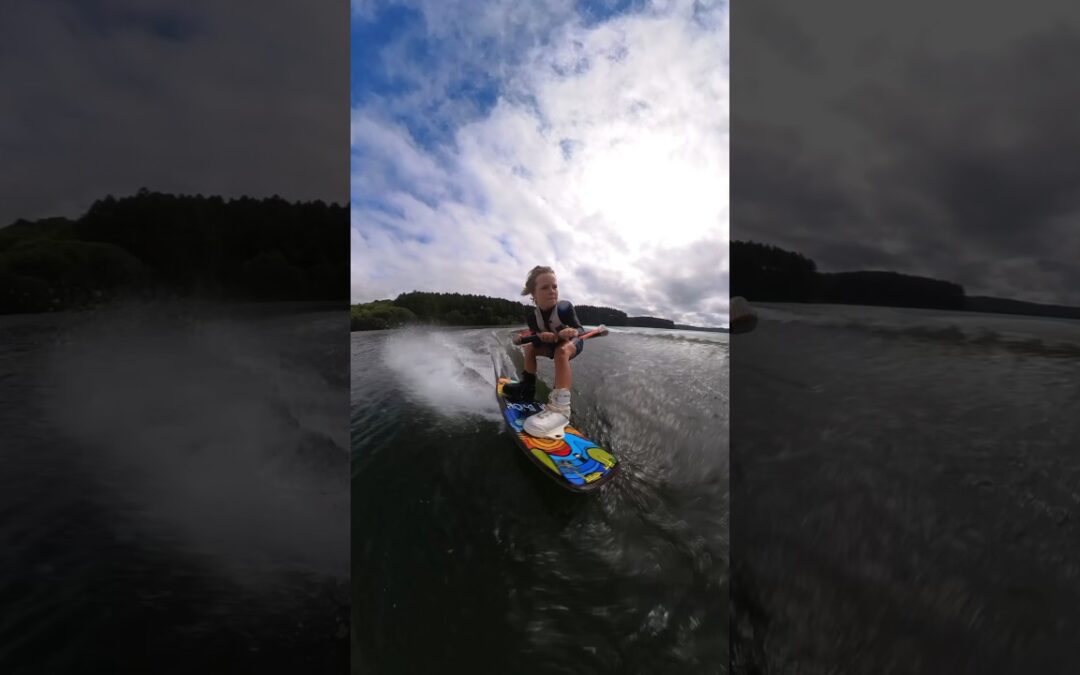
213 434
447 372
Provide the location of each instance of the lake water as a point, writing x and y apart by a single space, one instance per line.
467 559
906 492
174 492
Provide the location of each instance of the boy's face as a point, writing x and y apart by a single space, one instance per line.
546 291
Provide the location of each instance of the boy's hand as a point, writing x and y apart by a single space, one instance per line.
548 337
568 333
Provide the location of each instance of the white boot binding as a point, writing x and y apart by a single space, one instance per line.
550 422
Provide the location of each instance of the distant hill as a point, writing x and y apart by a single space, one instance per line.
649 322
887 288
764 273
22 231
980 303
681 326
594 316
615 317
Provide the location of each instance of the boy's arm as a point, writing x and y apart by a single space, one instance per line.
571 321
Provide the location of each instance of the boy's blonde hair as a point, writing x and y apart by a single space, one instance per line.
530 283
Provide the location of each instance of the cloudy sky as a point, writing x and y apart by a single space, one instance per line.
590 136
936 140
193 96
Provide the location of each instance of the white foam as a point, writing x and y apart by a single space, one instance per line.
199 427
450 372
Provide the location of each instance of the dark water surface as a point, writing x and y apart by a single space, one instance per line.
906 492
174 493
467 559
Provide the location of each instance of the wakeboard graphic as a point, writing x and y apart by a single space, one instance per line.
574 461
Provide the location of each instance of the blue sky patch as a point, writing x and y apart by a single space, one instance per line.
593 12
370 74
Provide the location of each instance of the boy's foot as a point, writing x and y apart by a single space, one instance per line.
521 391
550 422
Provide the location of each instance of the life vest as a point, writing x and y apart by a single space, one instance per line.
553 321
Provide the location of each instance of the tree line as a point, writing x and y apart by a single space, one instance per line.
770 274
449 309
591 315
157 244
457 309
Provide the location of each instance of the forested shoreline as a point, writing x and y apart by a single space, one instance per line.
457 309
764 273
154 245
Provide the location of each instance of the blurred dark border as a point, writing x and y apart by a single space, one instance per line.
904 475
168 165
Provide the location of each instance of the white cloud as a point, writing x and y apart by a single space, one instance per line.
606 157
388 155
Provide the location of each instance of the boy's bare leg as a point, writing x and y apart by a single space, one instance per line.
564 377
530 359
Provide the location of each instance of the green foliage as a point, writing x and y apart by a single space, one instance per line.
448 309
379 315
456 309
241 249
594 316
52 274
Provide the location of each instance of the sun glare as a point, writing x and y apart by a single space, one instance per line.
655 190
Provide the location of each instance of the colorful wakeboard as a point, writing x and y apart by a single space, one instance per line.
574 461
